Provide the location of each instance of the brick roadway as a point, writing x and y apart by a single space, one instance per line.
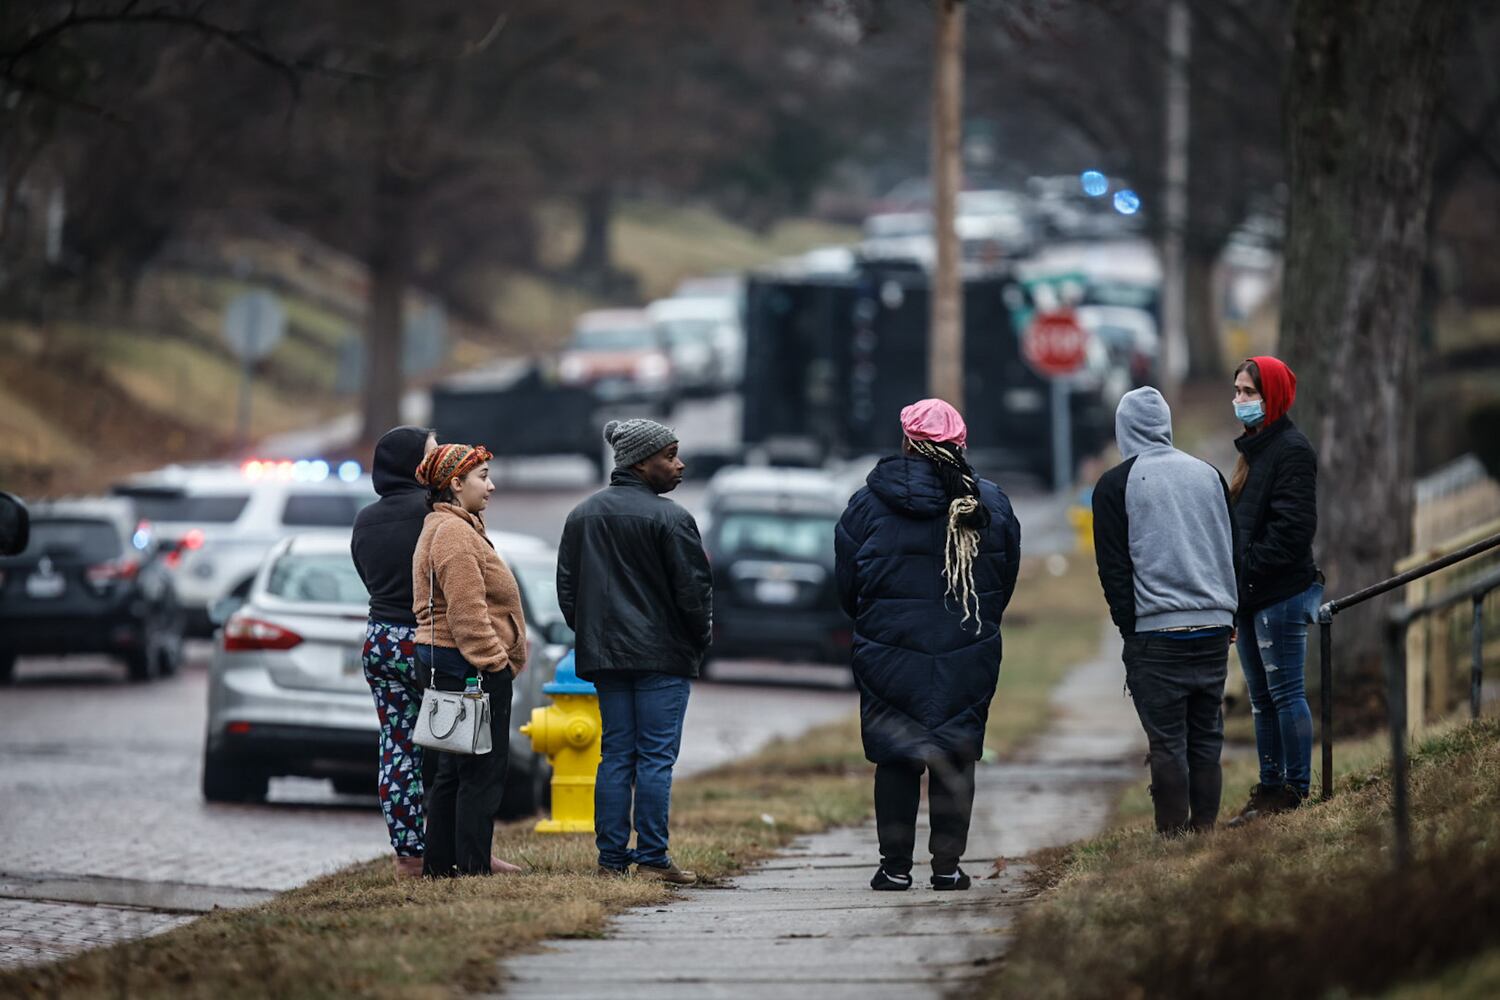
37 931
100 781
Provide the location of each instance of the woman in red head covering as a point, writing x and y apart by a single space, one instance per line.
1275 497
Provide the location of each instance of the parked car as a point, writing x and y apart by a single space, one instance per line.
15 524
91 579
287 693
705 342
1129 335
227 517
619 354
769 537
899 237
995 225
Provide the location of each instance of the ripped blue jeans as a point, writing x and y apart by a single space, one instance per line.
1273 655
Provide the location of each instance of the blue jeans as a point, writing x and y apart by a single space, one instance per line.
1273 654
642 714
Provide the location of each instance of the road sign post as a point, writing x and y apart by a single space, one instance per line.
254 324
1056 347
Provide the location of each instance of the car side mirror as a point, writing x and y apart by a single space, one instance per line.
558 634
15 525
221 610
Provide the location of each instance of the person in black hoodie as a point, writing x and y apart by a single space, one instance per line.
385 536
1275 494
926 556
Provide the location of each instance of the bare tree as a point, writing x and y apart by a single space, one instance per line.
1362 100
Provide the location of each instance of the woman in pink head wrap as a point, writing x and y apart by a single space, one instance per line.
934 420
925 558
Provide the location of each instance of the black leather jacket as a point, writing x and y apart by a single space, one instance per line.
633 582
1276 516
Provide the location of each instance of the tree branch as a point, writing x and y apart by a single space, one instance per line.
244 41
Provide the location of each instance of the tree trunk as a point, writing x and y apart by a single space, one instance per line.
1205 356
389 262
1360 102
594 257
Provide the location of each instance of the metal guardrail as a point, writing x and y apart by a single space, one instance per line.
1395 665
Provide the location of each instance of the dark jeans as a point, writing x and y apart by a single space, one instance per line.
642 715
1178 689
950 804
1273 655
465 792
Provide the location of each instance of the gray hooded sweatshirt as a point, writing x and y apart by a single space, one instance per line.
1163 531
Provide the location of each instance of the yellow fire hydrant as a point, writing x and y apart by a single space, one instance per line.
1081 516
568 732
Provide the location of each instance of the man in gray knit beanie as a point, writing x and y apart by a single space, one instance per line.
637 440
634 585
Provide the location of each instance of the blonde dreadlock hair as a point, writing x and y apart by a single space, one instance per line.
967 517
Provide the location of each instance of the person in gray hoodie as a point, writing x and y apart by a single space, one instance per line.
1164 541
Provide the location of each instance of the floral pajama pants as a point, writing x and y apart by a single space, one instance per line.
391 670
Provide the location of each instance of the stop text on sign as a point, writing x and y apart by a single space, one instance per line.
1055 345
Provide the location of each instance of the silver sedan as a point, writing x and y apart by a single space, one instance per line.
287 693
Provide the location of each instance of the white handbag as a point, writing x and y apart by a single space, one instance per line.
452 721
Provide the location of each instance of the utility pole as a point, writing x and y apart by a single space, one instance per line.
1173 279
945 342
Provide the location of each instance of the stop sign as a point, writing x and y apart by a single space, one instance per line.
1055 345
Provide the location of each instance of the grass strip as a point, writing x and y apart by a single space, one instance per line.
1304 904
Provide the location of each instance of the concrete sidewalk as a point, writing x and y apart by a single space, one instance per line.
807 921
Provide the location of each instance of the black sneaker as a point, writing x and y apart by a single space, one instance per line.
1260 797
950 883
1285 800
885 881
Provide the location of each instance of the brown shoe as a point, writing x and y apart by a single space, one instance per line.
667 873
409 867
1267 802
604 871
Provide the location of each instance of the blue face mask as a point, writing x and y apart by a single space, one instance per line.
1252 413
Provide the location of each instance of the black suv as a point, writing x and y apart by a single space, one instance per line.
91 579
770 546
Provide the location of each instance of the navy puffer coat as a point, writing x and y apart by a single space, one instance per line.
925 680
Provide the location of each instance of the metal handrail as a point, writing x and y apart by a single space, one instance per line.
1395 662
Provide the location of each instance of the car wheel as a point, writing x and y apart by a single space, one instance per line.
169 658
541 787
169 647
140 664
224 780
521 799
7 667
350 785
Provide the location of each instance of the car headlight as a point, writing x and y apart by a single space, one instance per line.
652 368
572 369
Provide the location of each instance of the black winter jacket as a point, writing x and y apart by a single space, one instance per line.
925 678
1276 516
633 582
386 532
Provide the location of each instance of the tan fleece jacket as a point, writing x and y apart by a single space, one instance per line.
477 603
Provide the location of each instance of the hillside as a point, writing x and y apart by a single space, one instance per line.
82 402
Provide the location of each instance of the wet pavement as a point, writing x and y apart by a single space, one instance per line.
807 922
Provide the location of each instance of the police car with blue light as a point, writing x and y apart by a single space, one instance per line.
225 518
